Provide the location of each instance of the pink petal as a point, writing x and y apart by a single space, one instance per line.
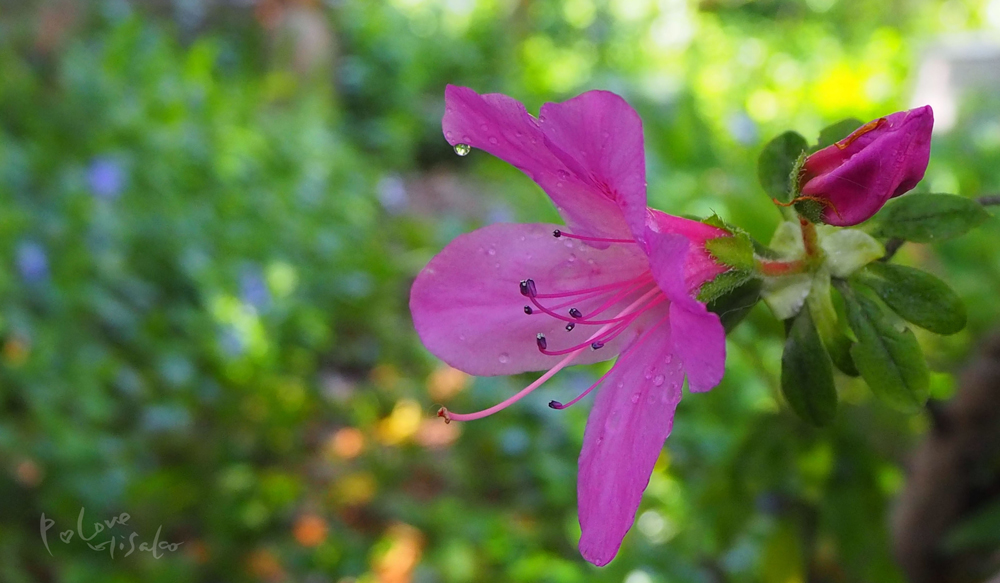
468 309
502 126
700 344
598 136
631 419
701 338
699 266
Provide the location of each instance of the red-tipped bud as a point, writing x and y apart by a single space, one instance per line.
884 158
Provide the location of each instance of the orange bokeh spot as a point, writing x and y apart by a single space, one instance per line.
28 473
434 434
15 351
446 382
262 564
346 443
310 530
405 548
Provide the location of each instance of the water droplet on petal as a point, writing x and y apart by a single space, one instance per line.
668 359
563 174
504 358
494 140
571 258
492 251
484 127
635 397
559 184
648 373
658 380
448 134
462 149
497 265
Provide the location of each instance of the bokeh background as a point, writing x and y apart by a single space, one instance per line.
210 216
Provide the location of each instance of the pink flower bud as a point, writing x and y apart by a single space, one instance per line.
882 159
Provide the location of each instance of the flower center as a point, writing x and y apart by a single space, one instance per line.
643 289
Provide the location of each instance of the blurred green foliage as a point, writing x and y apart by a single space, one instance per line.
210 215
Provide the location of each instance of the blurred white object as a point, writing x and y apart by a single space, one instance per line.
953 67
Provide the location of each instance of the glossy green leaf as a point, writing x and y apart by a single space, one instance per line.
830 329
927 217
777 162
806 373
889 359
836 132
917 296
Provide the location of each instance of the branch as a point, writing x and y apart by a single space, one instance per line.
893 245
953 476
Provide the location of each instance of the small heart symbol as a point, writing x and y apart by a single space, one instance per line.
66 536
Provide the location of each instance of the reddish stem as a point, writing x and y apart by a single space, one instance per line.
779 268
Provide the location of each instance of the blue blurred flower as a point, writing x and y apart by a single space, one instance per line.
32 262
392 194
106 178
742 128
253 289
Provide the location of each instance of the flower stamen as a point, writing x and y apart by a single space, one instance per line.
557 234
560 406
448 416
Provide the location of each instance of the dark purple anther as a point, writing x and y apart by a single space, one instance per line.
528 288
541 341
557 233
596 344
555 405
570 326
575 313
528 310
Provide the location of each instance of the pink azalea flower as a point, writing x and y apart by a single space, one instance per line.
619 279
880 160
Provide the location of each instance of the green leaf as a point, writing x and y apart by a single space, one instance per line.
806 373
716 221
836 132
786 294
830 329
787 240
777 162
927 217
917 296
735 294
848 250
888 359
735 250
